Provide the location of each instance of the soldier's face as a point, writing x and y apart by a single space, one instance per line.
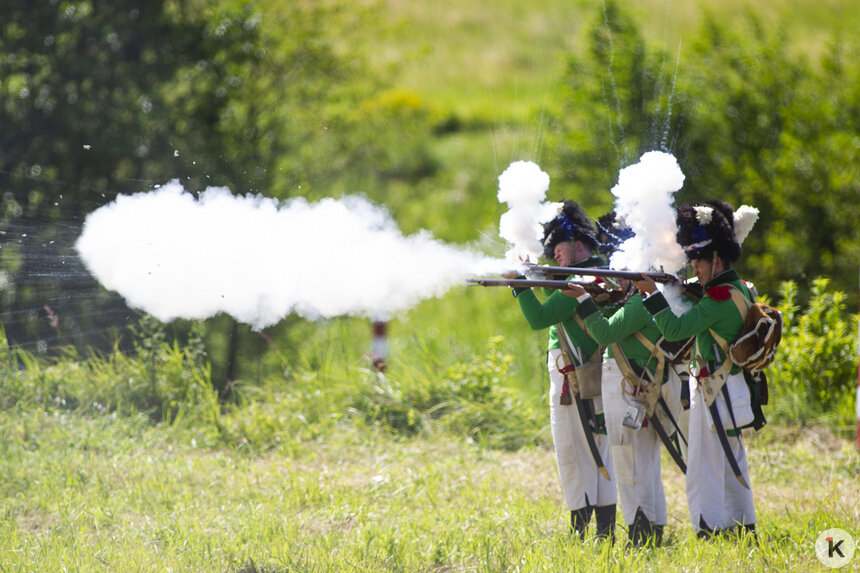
563 253
702 270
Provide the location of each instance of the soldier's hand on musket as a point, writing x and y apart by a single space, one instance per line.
573 290
511 275
646 284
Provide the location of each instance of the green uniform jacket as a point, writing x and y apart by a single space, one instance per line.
715 311
621 327
558 308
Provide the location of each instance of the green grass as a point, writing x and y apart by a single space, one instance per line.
500 59
118 494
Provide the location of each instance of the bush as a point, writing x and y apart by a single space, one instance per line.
163 380
814 375
469 399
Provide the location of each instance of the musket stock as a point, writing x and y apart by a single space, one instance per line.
603 296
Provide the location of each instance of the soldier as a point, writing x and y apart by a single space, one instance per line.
718 491
633 361
582 454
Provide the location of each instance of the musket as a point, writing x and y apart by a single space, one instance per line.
693 290
658 276
528 283
614 296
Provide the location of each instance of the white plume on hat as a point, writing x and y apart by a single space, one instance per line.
745 217
704 214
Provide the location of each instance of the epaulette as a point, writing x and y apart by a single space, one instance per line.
720 292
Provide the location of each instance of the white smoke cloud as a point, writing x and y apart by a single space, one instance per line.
259 260
644 200
523 186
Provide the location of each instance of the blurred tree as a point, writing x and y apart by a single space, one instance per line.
748 122
83 120
100 98
618 100
775 131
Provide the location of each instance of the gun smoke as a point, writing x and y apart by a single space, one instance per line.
523 186
644 200
257 259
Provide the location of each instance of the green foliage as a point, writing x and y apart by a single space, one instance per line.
285 99
815 372
171 384
772 130
96 99
749 120
97 493
164 381
469 399
617 105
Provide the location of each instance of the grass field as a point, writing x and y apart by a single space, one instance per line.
106 494
500 57
305 482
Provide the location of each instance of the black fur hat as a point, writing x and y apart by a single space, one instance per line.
708 227
611 232
570 223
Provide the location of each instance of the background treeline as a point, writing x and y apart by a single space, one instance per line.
321 99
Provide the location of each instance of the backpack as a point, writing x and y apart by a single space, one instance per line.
753 349
756 347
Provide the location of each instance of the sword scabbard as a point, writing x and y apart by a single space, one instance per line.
724 442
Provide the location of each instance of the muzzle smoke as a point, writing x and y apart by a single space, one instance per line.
644 200
523 186
258 259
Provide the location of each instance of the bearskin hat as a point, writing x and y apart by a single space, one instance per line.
706 228
570 223
611 232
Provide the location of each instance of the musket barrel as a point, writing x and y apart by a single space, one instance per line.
527 283
658 276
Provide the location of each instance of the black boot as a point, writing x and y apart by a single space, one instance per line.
641 532
605 522
705 532
750 531
658 535
579 519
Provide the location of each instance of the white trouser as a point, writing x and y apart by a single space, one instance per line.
581 482
635 453
713 492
